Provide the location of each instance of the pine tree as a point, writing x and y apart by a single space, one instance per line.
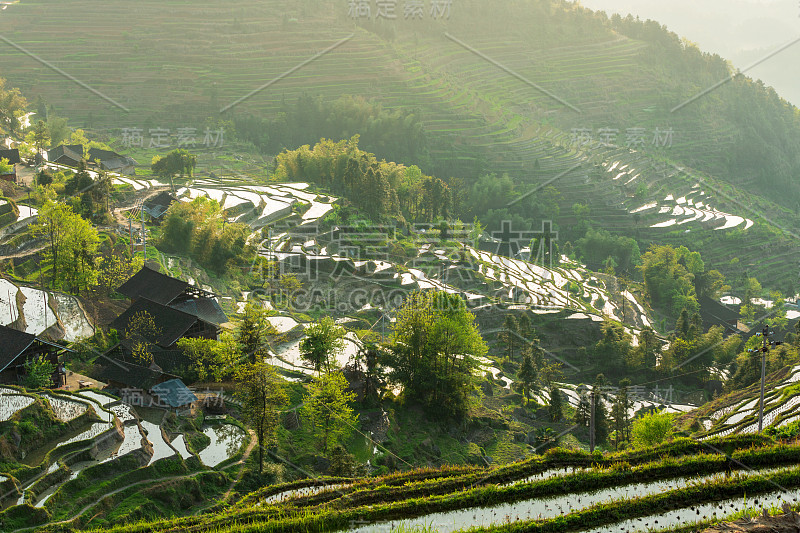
509 335
619 412
683 324
527 374
584 407
556 405
600 413
526 330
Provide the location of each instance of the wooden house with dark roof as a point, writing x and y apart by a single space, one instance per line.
112 161
174 293
127 375
18 347
67 154
173 324
715 313
12 156
158 205
168 361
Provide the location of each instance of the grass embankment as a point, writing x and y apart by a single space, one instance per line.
383 501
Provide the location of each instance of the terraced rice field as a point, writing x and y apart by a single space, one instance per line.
259 205
42 310
12 403
226 439
66 409
781 407
673 485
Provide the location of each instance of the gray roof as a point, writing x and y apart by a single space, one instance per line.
173 393
71 151
12 155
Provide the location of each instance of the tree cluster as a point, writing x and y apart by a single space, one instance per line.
433 355
378 189
198 229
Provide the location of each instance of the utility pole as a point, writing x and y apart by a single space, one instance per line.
130 232
765 335
144 233
591 422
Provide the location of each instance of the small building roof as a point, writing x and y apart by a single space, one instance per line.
172 323
131 375
72 151
12 155
109 157
14 342
207 309
173 393
158 204
180 295
714 313
102 155
153 285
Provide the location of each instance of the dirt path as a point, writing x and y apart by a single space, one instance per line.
25 253
144 194
789 522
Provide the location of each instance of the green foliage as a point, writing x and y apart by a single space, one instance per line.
178 162
12 106
619 413
527 375
748 365
72 244
509 335
598 245
327 411
601 429
212 359
324 341
253 332
38 373
143 332
342 463
197 229
115 269
5 167
433 355
669 276
652 429
614 348
377 188
556 407
397 135
786 432
262 393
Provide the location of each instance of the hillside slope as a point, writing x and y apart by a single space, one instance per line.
485 80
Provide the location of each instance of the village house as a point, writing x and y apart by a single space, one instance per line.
172 292
69 155
157 205
19 347
12 155
112 161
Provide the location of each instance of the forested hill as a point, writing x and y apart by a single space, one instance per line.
457 76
